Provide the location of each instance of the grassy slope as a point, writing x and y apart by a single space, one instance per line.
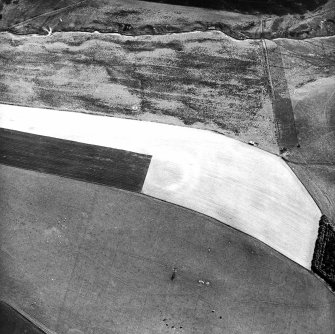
197 79
154 18
309 67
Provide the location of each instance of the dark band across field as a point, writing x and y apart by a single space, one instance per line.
246 6
287 136
12 322
96 164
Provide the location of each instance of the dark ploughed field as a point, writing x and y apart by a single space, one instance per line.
280 7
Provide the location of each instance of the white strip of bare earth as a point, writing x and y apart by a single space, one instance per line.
239 185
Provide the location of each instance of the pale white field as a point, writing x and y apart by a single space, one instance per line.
237 184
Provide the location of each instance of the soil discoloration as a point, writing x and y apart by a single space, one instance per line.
282 107
203 79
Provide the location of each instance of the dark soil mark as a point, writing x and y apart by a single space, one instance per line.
98 106
3 88
90 163
173 276
48 97
282 107
123 13
140 46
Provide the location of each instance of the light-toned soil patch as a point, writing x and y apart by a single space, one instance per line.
239 185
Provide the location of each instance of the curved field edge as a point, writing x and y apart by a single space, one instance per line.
242 186
315 56
309 67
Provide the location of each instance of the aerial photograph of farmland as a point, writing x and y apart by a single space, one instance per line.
167 166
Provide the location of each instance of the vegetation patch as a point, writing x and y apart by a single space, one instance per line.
324 255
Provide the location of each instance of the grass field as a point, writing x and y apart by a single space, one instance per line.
309 67
97 260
